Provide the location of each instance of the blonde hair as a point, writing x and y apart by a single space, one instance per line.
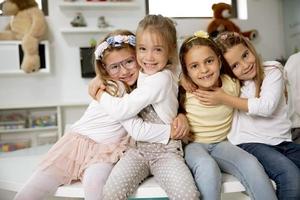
165 28
227 40
111 85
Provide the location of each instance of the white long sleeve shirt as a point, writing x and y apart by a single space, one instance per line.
160 90
292 68
101 127
267 118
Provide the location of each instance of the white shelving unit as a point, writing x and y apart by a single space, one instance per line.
36 125
96 5
10 48
85 30
86 6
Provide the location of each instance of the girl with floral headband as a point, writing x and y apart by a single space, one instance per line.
261 125
155 99
96 141
210 153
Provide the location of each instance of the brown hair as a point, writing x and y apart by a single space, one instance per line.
192 41
165 28
99 64
227 40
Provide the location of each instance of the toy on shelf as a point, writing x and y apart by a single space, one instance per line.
221 22
42 119
14 120
102 22
93 43
27 24
78 20
12 146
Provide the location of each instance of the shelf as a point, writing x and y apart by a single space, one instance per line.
79 36
85 30
44 126
96 5
12 48
41 106
40 118
35 129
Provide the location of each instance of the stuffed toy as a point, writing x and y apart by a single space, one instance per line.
27 24
220 23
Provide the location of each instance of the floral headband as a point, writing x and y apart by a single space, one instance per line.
229 34
199 34
114 41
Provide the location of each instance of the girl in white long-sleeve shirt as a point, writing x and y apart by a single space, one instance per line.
261 125
156 96
96 141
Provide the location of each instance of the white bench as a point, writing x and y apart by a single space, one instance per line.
16 168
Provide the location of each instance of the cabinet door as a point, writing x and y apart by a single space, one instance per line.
9 56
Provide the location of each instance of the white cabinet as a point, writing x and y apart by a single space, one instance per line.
28 126
12 49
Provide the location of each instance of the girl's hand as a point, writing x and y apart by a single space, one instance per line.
180 127
95 85
187 84
210 98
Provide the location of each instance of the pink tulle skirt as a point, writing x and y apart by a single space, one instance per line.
73 153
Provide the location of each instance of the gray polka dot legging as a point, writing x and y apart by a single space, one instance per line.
164 161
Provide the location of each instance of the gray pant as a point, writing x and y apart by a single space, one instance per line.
164 162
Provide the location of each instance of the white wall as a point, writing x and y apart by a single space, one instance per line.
291 25
65 84
263 15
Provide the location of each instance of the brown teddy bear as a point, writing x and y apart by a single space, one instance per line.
27 24
220 23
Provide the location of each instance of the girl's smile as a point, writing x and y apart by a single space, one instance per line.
207 77
152 52
130 75
242 62
203 67
249 70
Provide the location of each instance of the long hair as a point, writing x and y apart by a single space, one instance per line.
227 40
112 86
192 41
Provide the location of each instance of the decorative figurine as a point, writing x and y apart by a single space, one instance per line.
78 20
102 22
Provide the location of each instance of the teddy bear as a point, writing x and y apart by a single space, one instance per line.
220 22
27 24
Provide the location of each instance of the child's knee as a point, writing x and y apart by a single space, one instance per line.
206 165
